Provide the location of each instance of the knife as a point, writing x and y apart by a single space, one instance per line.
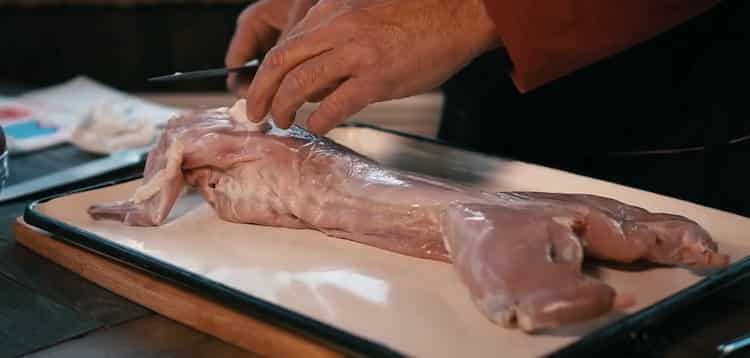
738 347
94 168
214 72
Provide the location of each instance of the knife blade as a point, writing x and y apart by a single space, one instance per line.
213 72
738 347
94 168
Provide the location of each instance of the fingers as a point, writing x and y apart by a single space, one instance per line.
238 84
351 97
306 82
277 64
296 14
253 35
250 35
323 93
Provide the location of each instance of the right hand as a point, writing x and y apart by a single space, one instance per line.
259 27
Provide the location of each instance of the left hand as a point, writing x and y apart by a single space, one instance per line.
350 53
258 28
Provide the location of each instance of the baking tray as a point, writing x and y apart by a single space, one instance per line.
370 302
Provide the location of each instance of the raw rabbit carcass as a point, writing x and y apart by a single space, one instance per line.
519 254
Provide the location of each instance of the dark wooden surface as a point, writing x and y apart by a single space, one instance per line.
152 336
43 305
49 311
30 320
53 312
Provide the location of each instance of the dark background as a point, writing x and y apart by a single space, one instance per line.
122 46
119 45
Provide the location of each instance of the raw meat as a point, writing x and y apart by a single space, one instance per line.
519 254
521 258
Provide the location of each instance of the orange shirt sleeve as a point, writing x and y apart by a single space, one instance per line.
548 39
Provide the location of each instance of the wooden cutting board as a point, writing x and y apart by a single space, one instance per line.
421 306
171 300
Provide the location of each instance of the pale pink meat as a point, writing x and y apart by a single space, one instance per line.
541 240
519 254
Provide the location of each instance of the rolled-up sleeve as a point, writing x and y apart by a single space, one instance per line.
548 39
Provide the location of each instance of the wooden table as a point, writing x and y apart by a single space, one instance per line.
48 311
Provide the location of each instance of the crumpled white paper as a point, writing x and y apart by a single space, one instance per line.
106 130
92 116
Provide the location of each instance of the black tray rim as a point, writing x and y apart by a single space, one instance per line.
627 327
271 313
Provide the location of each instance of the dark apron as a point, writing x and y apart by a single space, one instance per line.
669 116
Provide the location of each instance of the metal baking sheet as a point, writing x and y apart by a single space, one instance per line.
367 301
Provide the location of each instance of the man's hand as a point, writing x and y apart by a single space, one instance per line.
259 27
350 53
